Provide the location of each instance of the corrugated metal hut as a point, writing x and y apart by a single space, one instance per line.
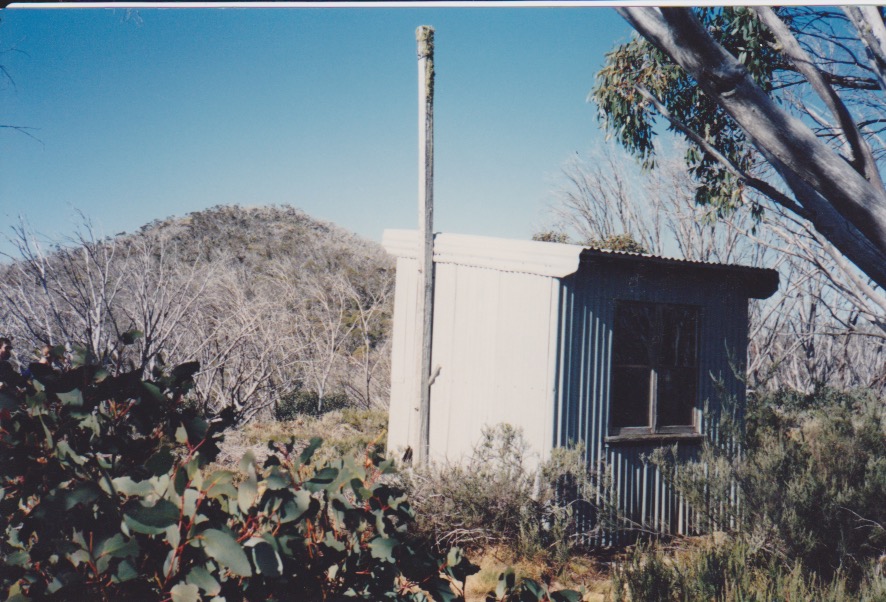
623 352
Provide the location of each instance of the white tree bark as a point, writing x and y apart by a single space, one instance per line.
847 208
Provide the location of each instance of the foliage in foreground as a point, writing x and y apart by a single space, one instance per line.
105 496
496 499
811 477
732 571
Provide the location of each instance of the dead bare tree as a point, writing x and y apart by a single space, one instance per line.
824 326
371 304
262 321
66 294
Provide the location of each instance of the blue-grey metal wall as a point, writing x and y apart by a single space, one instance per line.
588 299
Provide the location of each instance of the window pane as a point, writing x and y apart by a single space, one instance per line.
679 336
676 396
630 397
633 342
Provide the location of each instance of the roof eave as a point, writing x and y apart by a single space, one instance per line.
758 283
525 256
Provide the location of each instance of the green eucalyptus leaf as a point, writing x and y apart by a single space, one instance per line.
189 502
360 490
297 507
83 493
308 452
19 558
197 428
117 546
185 592
125 572
246 494
203 579
71 398
152 392
65 451
383 548
151 520
222 490
278 479
224 549
181 481
441 590
47 433
172 562
128 487
566 595
266 560
322 479
533 588
161 462
79 557
218 477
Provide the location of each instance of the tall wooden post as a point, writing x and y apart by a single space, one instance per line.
424 35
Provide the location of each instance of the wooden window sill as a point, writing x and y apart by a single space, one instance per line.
655 438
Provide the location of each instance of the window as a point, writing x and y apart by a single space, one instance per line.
654 369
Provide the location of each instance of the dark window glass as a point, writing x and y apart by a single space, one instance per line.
678 326
654 365
676 396
634 343
630 390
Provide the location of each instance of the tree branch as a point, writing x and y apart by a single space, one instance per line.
760 185
862 159
823 183
869 23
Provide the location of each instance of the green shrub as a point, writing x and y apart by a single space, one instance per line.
732 571
811 480
105 496
302 402
494 498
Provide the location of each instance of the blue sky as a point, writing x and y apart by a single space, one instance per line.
153 113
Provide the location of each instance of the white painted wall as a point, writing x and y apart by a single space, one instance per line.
403 420
494 342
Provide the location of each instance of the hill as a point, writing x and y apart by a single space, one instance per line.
273 304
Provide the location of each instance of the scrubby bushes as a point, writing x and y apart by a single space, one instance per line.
732 571
495 498
810 472
302 402
106 496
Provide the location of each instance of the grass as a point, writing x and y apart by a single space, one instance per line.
344 432
579 572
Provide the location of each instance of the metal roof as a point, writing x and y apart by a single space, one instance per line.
760 283
559 259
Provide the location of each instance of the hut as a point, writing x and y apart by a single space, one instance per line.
623 352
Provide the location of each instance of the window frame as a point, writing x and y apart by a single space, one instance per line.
653 430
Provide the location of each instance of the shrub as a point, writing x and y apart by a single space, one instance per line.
731 571
494 498
811 480
302 402
105 496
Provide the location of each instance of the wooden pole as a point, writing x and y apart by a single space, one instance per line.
424 35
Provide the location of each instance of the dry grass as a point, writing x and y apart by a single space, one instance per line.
579 572
344 432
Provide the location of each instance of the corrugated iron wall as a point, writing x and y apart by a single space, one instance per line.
588 299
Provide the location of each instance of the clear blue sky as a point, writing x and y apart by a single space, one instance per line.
154 113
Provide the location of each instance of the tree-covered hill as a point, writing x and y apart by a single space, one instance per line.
274 304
